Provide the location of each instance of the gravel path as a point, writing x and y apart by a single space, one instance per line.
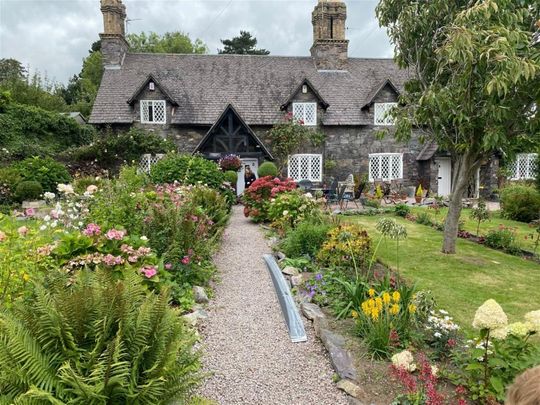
246 345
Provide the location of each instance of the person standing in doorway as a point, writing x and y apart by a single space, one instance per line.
249 176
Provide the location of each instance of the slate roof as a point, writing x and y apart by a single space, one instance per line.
257 86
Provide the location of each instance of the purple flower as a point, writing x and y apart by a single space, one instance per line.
319 276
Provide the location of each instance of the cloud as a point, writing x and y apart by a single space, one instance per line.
53 36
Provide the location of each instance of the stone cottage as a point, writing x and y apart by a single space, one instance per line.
221 104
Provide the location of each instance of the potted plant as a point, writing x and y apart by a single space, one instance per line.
230 163
419 194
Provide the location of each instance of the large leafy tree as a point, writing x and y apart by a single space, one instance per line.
11 69
170 42
244 44
476 79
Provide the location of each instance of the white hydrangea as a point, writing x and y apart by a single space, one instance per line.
65 188
49 196
404 360
490 315
520 329
499 333
534 318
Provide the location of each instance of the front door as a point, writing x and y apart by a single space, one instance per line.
254 164
444 176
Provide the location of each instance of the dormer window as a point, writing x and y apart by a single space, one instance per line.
305 113
153 112
382 113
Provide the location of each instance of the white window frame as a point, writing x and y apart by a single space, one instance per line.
524 166
299 111
145 104
381 115
313 170
376 161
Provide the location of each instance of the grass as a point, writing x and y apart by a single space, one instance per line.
522 230
460 283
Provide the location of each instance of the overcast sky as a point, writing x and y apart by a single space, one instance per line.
53 36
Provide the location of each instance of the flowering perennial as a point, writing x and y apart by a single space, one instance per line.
490 316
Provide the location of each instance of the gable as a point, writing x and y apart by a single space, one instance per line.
384 92
148 86
305 92
231 135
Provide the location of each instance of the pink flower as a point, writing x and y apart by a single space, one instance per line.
92 229
185 260
194 218
133 259
168 266
54 214
30 212
149 271
111 260
23 230
114 234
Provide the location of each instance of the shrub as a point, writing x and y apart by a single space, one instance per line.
110 150
346 246
479 214
289 208
187 169
402 210
9 178
31 131
28 190
231 177
520 202
372 203
257 196
267 169
423 218
503 238
96 341
306 239
46 171
230 163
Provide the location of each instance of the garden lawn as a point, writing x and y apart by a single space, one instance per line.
523 231
462 282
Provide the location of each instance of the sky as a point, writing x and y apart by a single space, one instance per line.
53 36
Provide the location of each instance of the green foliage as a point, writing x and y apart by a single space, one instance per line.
11 69
389 228
96 341
480 214
28 190
520 202
187 169
402 210
170 42
288 136
267 169
231 177
37 91
347 246
31 131
46 171
111 150
423 218
9 178
475 82
244 44
503 238
288 209
306 239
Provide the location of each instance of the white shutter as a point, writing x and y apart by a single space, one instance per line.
524 167
305 167
305 112
381 113
153 112
385 166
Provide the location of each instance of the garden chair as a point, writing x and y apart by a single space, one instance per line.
337 197
305 185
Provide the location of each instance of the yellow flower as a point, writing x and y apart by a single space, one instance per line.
386 298
375 314
412 308
396 296
354 314
25 277
378 303
365 308
394 309
371 292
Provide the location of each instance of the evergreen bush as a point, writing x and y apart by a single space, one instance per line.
231 177
306 239
187 169
520 202
267 169
97 341
46 171
28 190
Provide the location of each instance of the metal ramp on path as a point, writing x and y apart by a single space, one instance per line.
286 301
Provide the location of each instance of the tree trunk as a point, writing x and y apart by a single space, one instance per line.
463 168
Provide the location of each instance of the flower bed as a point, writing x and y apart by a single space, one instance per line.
429 359
115 247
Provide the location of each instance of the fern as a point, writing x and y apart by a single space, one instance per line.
98 341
